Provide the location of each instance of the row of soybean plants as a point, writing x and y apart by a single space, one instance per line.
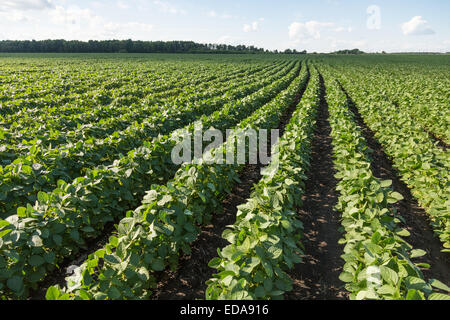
41 168
135 96
99 122
378 261
420 89
424 167
265 239
34 92
424 94
169 220
35 240
53 85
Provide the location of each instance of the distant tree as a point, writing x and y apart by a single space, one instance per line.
353 51
111 46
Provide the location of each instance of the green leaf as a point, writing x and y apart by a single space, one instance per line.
4 232
260 292
386 183
42 197
85 295
22 212
158 265
403 233
15 283
49 257
438 296
394 197
114 293
346 277
366 294
389 275
53 293
112 259
439 285
268 284
414 295
58 239
215 263
416 253
380 197
386 290
36 261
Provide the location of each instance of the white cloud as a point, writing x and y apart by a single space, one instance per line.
75 23
212 14
167 7
307 30
23 5
417 26
74 17
254 26
16 16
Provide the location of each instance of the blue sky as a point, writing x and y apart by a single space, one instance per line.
320 25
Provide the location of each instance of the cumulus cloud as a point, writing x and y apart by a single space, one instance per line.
417 26
82 24
23 5
254 26
307 30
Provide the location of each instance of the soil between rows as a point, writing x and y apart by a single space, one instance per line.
188 283
317 277
437 141
417 220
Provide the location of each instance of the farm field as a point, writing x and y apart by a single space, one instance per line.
355 206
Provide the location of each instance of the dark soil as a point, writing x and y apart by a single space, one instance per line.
417 221
188 283
438 141
317 277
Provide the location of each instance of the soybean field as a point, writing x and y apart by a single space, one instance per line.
355 204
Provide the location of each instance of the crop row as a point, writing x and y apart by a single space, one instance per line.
61 221
424 167
421 90
378 261
152 237
41 169
104 120
265 239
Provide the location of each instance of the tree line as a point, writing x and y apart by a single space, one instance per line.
125 46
